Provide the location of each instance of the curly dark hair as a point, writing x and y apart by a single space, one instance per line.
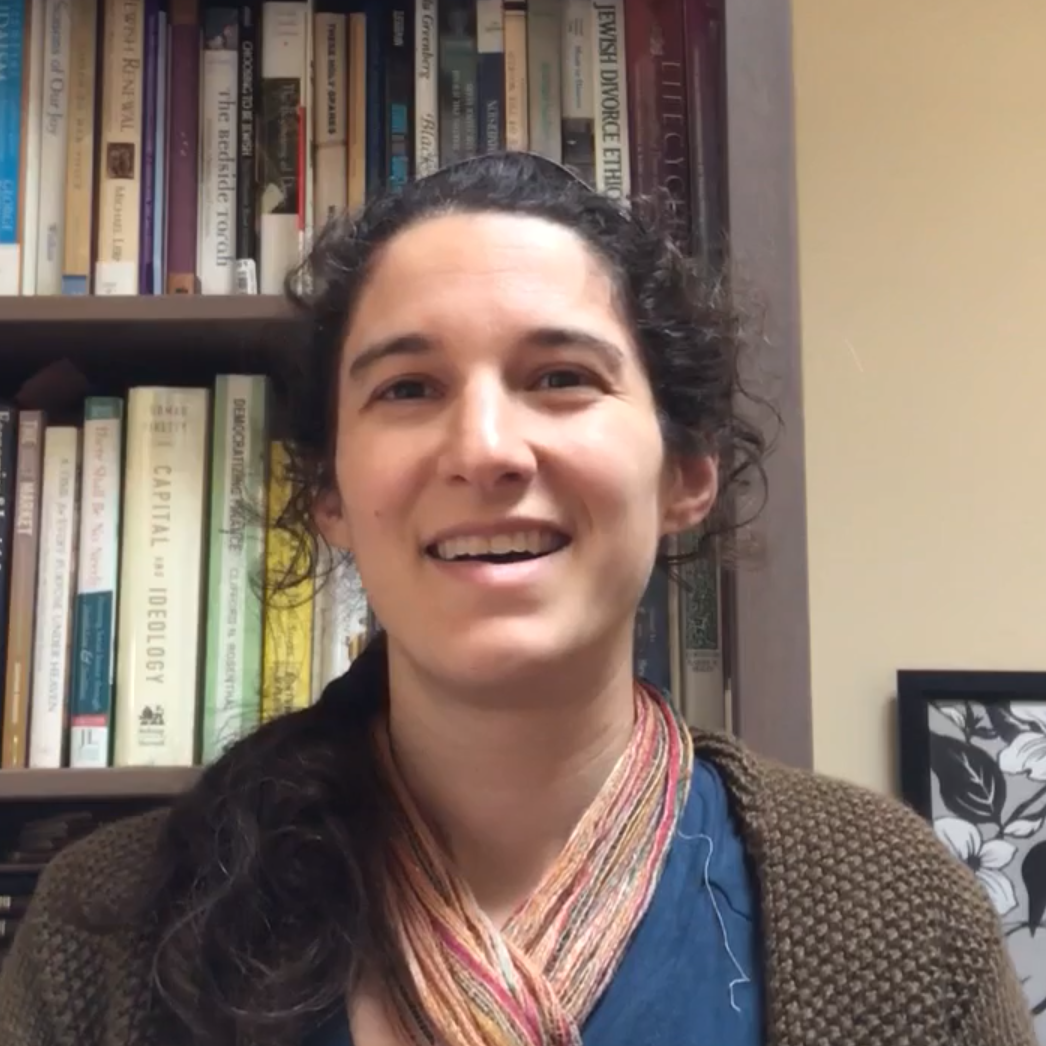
267 893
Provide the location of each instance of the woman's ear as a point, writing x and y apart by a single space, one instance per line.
691 488
331 520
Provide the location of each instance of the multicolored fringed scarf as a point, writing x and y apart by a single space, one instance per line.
534 981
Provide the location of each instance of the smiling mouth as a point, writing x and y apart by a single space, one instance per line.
500 548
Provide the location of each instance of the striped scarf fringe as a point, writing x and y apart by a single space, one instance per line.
534 982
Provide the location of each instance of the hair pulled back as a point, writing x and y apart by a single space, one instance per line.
267 890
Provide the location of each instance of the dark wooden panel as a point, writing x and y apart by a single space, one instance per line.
768 602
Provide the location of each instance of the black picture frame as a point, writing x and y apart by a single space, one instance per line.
972 755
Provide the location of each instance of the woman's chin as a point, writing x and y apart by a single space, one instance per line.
488 656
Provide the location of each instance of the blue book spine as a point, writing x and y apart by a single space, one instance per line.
652 655
12 43
490 75
375 105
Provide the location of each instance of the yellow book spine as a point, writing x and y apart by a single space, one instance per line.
287 648
79 175
357 123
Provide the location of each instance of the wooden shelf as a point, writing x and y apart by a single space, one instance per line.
144 308
108 783
137 340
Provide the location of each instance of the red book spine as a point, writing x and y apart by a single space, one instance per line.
703 36
183 135
659 105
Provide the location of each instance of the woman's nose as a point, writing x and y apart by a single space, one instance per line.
486 442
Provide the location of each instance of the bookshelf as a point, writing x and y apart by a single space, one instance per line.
140 339
58 347
77 786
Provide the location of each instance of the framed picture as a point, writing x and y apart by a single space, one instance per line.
973 762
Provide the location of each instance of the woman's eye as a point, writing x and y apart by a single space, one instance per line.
404 389
563 379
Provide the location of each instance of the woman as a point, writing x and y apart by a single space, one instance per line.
488 833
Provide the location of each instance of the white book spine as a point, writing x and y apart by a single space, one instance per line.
285 42
162 544
426 87
216 241
578 57
91 700
613 171
55 574
330 112
33 131
54 148
339 622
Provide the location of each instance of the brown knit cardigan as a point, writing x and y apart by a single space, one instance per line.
873 934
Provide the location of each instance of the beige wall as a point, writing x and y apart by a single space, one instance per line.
921 139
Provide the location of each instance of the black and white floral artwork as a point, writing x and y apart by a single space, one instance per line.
982 783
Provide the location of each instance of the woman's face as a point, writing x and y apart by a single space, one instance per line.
501 474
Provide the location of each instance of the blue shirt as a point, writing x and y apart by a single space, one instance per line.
691 974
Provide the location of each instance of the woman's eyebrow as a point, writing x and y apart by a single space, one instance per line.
415 344
574 337
397 345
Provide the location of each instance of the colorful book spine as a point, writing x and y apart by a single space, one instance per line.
183 146
544 74
285 35
232 685
247 173
161 571
490 75
399 95
703 32
32 129
579 89
94 618
517 106
330 115
216 238
374 160
59 537
8 438
358 61
80 173
12 45
457 80
21 609
150 100
120 165
159 262
287 646
613 171
54 147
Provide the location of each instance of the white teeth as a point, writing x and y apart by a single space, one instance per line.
532 541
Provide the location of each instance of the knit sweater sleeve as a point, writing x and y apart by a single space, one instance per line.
26 994
24 1020
65 982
